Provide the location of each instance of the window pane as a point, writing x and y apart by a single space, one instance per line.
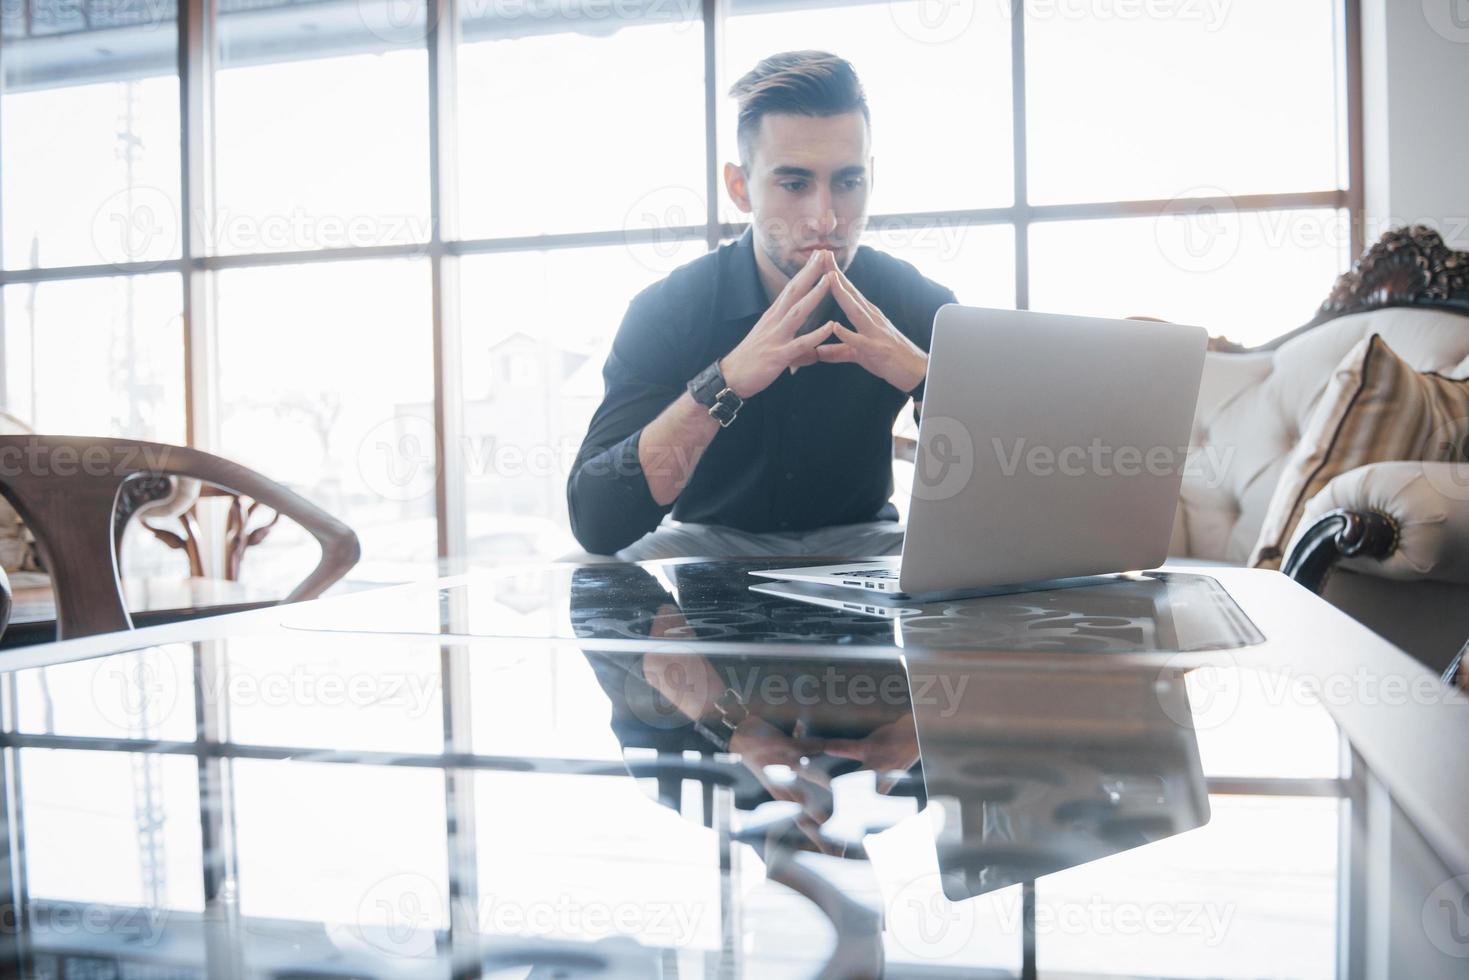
572 116
1153 101
146 693
112 828
937 78
119 339
374 846
321 128
326 386
537 329
365 693
89 166
1250 276
1223 887
976 261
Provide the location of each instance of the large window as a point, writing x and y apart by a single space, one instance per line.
391 230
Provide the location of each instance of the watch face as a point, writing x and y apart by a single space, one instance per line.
706 385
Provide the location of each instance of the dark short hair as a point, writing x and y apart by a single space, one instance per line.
804 83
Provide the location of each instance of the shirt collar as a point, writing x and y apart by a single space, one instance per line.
739 286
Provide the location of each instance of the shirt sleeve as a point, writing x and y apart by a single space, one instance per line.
607 494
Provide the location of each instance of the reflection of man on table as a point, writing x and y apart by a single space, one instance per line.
706 417
792 722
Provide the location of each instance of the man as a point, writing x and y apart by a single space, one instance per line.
758 437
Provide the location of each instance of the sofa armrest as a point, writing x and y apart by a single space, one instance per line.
1400 520
1457 673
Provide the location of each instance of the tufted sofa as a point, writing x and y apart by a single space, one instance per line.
1389 542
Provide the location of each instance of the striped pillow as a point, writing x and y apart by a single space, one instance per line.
1377 408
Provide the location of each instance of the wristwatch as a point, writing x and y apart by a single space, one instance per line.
731 708
718 726
710 390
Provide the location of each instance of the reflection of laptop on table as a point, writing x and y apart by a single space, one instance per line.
1038 771
1051 447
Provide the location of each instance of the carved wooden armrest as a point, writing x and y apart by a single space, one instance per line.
1339 534
4 600
1457 674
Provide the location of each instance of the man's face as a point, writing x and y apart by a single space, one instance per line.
806 185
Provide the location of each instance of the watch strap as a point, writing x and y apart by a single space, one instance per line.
707 384
708 388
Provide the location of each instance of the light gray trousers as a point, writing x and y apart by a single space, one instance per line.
842 541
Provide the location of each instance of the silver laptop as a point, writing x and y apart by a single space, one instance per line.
1051 448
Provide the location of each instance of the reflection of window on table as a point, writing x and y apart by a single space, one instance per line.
125 829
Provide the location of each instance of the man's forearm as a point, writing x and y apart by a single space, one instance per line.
687 680
670 447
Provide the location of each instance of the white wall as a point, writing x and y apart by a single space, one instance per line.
1415 74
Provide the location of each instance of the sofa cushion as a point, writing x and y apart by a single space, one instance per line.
1376 408
1253 407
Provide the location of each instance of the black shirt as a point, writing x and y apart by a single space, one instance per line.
812 450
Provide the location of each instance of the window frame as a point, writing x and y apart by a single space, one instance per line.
197 60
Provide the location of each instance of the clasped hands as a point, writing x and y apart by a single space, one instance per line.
889 751
772 345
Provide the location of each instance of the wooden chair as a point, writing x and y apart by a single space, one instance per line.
68 489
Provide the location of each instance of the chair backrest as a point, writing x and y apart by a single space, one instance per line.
66 489
1408 287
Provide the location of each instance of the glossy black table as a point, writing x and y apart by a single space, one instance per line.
1194 772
